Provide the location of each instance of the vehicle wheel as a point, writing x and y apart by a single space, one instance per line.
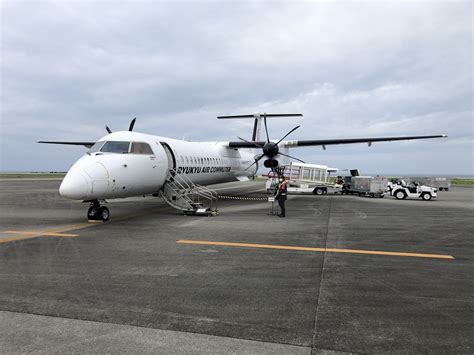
92 213
426 196
372 195
400 195
104 213
318 191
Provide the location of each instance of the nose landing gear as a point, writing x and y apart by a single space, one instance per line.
97 212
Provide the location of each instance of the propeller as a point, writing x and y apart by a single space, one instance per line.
130 128
270 149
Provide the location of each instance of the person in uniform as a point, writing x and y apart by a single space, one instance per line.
281 196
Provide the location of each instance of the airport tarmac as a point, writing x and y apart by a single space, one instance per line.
339 274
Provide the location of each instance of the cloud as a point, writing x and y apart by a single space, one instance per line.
352 68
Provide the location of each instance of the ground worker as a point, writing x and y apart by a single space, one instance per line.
281 195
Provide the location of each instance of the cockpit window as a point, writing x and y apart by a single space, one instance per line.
141 148
96 147
116 147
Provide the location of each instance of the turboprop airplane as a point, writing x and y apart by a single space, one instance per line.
127 163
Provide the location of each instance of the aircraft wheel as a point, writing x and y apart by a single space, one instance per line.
400 195
426 196
104 213
93 213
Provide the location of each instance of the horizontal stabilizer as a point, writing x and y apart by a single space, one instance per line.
255 115
85 144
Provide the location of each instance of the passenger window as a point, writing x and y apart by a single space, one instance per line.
141 148
116 147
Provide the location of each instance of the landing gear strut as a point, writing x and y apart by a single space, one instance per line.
97 212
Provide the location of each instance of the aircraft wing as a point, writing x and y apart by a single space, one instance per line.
85 144
325 142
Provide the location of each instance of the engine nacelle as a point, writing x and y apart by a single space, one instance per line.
271 163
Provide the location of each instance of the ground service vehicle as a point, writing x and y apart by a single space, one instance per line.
369 186
441 183
402 191
306 178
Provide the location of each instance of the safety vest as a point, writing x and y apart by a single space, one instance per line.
282 188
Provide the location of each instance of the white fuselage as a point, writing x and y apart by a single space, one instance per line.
110 171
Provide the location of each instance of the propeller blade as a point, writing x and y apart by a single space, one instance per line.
246 141
132 124
266 128
286 135
255 162
248 167
289 156
108 129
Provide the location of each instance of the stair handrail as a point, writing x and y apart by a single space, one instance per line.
184 182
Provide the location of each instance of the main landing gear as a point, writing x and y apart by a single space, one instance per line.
97 212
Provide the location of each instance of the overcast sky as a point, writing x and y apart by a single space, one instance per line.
354 69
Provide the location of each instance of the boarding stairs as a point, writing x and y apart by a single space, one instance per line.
181 193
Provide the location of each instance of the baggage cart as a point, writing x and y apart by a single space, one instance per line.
369 186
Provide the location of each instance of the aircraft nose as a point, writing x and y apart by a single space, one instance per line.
75 186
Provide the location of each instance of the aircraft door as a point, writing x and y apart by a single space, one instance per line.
170 156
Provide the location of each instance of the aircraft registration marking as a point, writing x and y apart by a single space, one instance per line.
323 250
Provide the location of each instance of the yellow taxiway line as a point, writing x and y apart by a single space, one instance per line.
60 231
53 232
323 250
47 233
